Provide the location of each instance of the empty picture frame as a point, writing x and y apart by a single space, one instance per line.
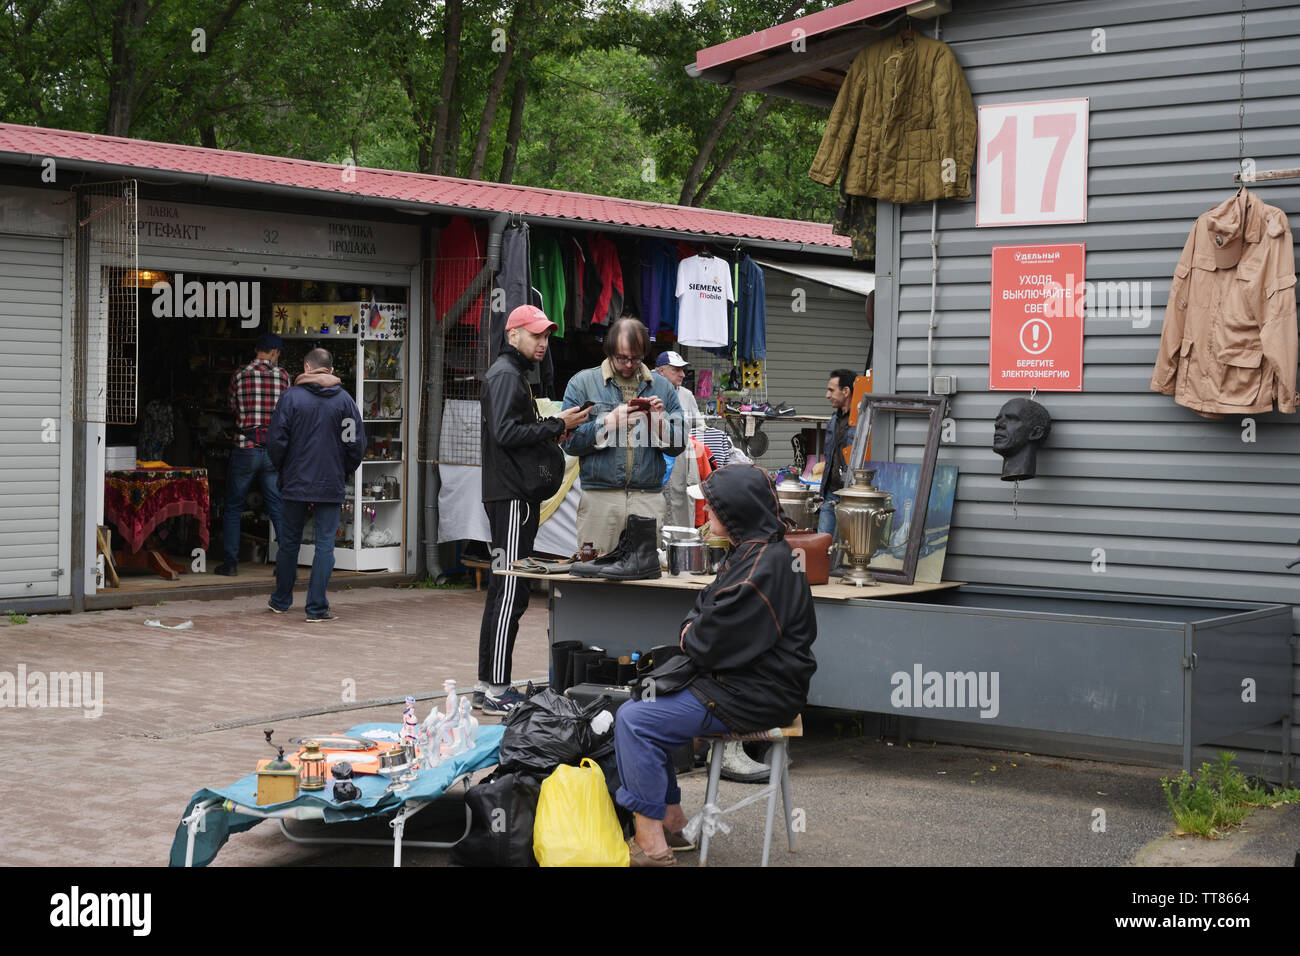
934 406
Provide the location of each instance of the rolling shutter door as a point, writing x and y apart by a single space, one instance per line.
31 379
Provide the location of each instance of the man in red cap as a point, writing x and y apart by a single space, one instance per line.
522 467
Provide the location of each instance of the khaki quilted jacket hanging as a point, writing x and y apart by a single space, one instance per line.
903 110
1228 346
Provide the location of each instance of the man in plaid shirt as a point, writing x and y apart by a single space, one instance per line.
254 391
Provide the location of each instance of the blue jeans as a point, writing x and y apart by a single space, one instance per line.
293 520
646 734
826 516
246 465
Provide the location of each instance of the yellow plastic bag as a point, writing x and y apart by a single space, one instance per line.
576 824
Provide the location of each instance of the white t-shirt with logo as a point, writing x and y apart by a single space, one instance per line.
703 291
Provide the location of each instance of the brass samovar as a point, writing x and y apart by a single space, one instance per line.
862 519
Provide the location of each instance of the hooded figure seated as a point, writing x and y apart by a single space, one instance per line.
750 638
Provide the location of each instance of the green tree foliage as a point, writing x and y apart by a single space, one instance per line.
596 89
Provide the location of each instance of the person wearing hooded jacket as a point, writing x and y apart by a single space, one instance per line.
750 636
316 442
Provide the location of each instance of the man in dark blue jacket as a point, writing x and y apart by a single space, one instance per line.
316 442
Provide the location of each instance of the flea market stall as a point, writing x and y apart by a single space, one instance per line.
1084 244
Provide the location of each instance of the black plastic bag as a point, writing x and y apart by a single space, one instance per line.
502 811
547 730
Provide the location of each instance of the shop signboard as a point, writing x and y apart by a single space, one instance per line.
183 226
1032 163
1036 318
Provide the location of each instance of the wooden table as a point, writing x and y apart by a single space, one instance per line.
626 616
836 590
136 501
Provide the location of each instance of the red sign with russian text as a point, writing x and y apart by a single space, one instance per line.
1036 313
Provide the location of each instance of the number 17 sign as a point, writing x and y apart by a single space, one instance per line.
1033 163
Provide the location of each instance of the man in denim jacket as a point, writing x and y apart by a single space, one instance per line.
620 450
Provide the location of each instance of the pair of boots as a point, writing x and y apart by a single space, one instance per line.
635 559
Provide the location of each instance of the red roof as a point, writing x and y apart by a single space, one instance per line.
783 34
401 186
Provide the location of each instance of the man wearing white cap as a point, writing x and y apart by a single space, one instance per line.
522 467
673 367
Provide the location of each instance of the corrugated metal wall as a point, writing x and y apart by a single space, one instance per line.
1180 506
31 414
802 347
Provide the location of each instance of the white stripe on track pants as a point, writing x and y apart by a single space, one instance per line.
514 528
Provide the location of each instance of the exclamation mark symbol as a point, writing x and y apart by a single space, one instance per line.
1034 329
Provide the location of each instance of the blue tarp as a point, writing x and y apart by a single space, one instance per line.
429 785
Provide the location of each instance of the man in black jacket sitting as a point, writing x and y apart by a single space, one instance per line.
750 637
522 467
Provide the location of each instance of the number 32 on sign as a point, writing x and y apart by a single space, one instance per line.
1033 163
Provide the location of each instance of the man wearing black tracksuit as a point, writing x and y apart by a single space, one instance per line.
522 467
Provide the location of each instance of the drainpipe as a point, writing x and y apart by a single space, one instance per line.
433 387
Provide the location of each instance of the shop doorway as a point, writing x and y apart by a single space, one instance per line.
167 478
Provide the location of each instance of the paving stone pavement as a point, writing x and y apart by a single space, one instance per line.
185 709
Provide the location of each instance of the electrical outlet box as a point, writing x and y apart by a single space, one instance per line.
945 385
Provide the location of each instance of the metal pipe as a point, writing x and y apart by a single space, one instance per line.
80 320
934 296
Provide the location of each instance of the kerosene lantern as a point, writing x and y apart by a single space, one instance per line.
313 766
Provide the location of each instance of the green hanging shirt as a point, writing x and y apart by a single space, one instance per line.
548 278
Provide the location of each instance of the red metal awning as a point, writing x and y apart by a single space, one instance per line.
25 145
768 62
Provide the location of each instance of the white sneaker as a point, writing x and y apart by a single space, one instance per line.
739 767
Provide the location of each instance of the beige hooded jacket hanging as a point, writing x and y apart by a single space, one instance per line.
1229 343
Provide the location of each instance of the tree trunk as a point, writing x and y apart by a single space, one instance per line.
692 181
128 22
726 159
495 88
450 64
517 98
424 159
451 159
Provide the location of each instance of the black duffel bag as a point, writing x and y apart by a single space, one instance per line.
502 810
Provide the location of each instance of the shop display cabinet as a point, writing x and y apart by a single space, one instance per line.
370 536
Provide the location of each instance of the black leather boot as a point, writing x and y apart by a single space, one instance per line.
640 560
592 569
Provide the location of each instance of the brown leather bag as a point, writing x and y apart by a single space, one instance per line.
816 549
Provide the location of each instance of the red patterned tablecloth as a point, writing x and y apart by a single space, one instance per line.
138 501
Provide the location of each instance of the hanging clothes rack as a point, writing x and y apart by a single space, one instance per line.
1267 175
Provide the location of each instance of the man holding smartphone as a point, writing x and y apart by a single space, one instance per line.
522 467
636 420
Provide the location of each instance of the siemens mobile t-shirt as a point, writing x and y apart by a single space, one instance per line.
703 290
